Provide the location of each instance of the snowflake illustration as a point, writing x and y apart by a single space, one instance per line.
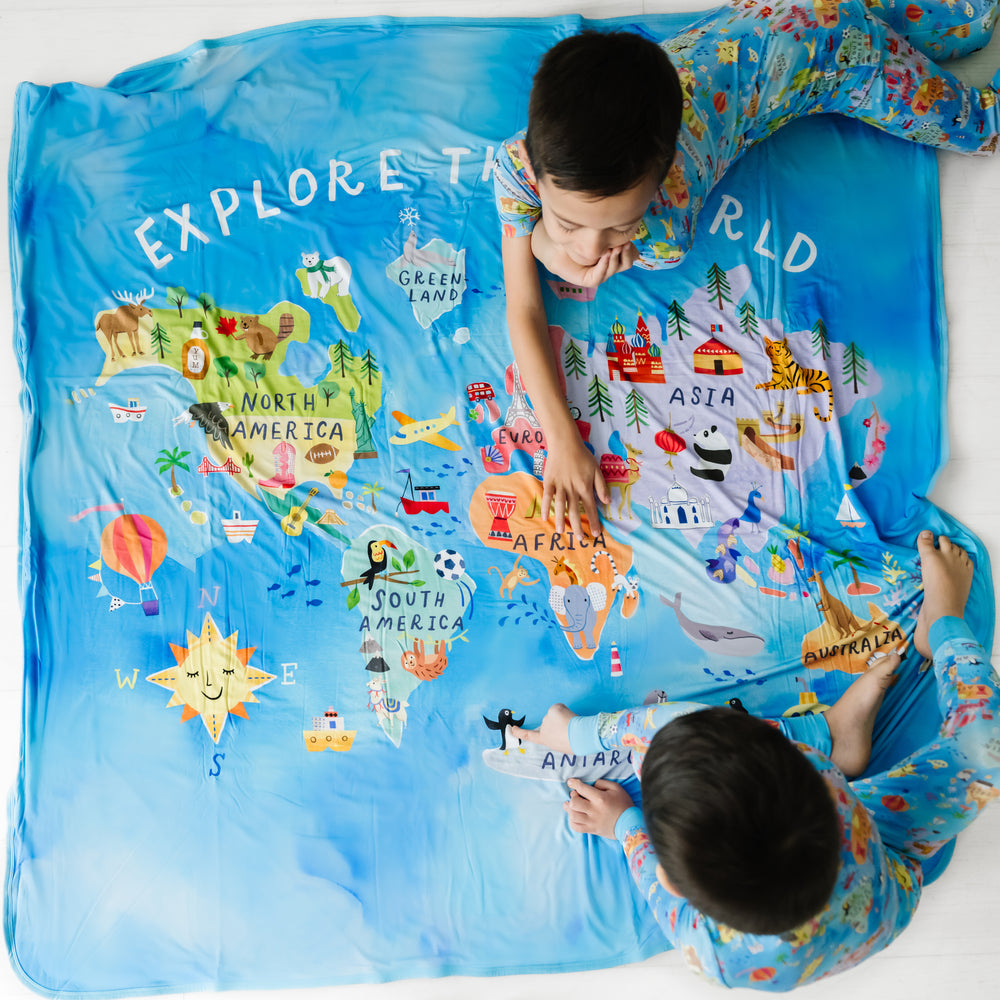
409 216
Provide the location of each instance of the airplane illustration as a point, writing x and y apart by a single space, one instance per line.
411 430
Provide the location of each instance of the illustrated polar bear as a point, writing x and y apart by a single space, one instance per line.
321 275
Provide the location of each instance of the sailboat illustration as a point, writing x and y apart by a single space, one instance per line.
847 513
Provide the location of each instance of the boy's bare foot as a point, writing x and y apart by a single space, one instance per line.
852 718
947 574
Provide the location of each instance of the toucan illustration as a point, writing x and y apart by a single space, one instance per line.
377 558
503 720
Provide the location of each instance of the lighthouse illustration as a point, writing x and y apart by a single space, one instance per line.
616 662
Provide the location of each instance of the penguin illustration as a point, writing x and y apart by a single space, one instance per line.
377 558
503 720
714 455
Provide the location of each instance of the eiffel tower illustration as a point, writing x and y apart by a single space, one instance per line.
519 409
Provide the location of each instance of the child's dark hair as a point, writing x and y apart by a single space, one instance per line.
604 113
743 825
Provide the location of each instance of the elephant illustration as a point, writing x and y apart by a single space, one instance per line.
579 606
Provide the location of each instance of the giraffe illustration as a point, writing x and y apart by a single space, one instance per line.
561 566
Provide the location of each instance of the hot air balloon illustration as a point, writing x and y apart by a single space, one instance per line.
135 545
671 443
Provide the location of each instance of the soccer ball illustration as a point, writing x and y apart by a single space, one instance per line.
449 564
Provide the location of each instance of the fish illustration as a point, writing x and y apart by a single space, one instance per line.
716 638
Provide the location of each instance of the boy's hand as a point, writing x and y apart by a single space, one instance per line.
553 732
573 476
555 258
610 263
595 808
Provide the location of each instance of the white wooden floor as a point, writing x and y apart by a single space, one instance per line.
953 946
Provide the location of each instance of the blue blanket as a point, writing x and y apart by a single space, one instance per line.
284 574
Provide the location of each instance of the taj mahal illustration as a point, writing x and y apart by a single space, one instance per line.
678 509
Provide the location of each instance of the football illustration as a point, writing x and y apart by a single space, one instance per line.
321 454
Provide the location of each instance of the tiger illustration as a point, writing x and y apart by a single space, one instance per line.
788 374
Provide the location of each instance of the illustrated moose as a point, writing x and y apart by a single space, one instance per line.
125 319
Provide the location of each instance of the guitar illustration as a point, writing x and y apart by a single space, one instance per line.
291 523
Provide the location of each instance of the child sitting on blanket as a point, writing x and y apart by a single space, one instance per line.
626 139
763 864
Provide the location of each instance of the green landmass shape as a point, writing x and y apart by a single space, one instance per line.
265 407
342 305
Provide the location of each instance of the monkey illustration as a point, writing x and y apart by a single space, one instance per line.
517 575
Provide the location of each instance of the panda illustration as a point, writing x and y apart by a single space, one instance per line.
714 455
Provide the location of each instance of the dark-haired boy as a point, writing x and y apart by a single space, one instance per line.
763 864
626 139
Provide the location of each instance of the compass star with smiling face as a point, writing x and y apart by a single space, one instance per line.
212 678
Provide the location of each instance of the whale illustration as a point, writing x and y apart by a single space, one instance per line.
716 638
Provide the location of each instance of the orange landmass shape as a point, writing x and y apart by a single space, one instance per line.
505 513
850 647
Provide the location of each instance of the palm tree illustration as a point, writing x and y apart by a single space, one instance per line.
372 490
847 558
170 460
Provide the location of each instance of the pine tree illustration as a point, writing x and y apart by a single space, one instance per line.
635 410
599 399
159 339
855 367
820 340
718 285
342 357
748 319
677 321
573 360
368 366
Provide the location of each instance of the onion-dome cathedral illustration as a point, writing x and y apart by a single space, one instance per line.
634 358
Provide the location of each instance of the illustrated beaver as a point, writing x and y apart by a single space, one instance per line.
262 340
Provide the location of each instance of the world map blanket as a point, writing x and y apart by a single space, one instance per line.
285 576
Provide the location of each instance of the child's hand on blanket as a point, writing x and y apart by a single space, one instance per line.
552 733
573 477
595 808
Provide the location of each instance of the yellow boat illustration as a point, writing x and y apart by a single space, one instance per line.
808 704
328 733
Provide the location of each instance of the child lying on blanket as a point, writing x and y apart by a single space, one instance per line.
626 139
763 864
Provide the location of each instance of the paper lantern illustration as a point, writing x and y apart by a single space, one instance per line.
135 545
671 443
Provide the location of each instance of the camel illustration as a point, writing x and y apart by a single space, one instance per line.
622 473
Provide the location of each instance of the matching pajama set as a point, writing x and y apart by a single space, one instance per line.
890 824
750 67
746 69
